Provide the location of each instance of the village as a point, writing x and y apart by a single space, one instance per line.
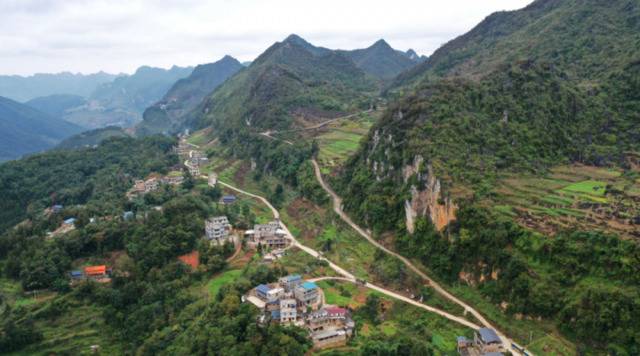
292 300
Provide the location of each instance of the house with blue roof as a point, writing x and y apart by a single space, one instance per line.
307 293
262 291
229 199
76 274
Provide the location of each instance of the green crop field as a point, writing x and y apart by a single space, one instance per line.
220 280
567 196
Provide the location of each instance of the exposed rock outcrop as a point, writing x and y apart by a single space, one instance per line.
428 201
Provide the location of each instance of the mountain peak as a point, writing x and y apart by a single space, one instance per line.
381 43
293 38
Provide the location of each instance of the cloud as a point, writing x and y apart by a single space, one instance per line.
121 35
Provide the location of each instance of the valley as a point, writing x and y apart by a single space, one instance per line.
483 200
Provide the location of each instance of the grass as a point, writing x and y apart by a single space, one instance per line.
220 280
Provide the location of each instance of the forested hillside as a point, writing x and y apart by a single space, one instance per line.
98 177
554 84
290 80
587 39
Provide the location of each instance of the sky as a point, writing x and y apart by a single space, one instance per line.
118 36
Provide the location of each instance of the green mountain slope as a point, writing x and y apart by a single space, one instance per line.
25 130
588 39
290 79
167 115
553 84
57 104
22 89
91 138
382 61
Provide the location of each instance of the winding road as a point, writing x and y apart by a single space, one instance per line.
337 208
347 276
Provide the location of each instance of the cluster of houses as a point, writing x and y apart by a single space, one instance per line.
100 273
194 159
485 343
141 187
292 300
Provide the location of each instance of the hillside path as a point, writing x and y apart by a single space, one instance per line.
337 207
347 276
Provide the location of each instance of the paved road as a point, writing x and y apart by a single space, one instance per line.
337 207
346 276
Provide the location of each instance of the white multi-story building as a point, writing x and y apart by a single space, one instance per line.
217 228
288 310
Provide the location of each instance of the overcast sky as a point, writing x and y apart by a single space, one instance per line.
42 36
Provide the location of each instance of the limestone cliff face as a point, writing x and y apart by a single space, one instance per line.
428 201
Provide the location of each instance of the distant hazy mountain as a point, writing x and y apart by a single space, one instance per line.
382 61
291 81
22 89
411 54
185 95
122 102
56 105
24 130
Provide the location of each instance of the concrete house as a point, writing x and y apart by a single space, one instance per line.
307 294
217 229
290 282
288 310
269 236
486 340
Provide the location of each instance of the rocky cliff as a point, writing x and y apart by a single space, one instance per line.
427 201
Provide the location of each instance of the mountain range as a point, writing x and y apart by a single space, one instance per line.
22 89
25 130
185 95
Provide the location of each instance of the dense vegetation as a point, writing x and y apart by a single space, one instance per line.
289 77
524 118
98 177
586 281
91 138
588 39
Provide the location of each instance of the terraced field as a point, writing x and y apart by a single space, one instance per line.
583 196
341 139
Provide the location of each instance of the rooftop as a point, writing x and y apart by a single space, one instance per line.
309 285
93 270
263 288
293 277
489 335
